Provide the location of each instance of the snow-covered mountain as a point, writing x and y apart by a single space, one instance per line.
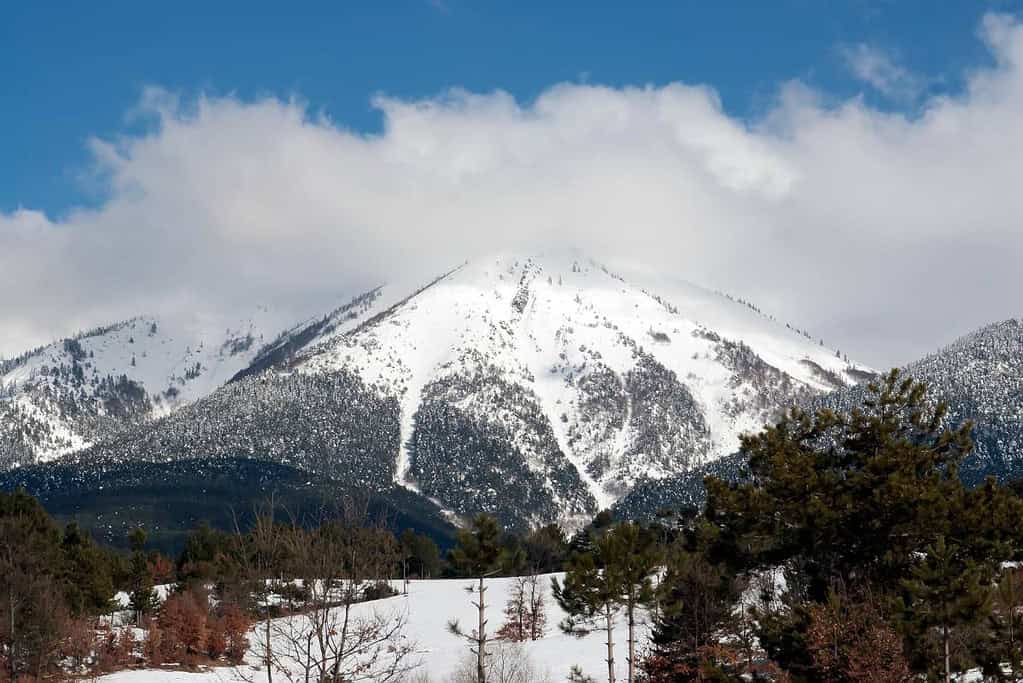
64 397
590 382
980 377
535 388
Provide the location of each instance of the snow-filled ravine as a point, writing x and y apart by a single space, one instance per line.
430 605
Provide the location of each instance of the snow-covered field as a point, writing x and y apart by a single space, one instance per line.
429 606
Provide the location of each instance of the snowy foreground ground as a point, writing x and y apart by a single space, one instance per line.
430 605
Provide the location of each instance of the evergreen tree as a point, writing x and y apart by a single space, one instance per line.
581 543
545 548
142 598
87 576
590 596
696 599
576 675
1007 621
810 478
947 590
856 500
33 617
421 553
631 554
513 560
205 549
478 554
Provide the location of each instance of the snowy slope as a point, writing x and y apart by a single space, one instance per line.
66 395
629 383
535 388
429 606
980 377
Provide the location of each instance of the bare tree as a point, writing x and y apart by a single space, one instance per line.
507 662
516 613
537 606
525 612
340 564
259 554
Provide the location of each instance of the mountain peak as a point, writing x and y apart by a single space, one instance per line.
536 387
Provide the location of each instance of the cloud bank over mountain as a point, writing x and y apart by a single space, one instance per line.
884 232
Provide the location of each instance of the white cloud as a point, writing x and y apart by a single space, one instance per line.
879 69
886 235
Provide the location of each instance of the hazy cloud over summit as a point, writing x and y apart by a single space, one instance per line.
886 234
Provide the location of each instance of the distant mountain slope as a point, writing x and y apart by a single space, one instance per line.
980 376
65 396
330 424
537 388
656 497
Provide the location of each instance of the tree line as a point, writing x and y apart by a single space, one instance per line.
849 551
66 602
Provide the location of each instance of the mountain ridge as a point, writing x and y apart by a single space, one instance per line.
64 396
979 376
537 388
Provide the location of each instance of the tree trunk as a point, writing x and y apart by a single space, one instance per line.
948 668
632 643
13 634
609 627
1012 638
336 674
481 645
269 653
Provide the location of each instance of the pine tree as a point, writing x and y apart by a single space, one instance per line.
90 587
142 598
1008 620
947 590
545 548
590 595
576 675
696 605
421 554
581 543
631 554
33 616
203 550
478 554
856 499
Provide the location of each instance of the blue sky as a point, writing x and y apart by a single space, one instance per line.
75 70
